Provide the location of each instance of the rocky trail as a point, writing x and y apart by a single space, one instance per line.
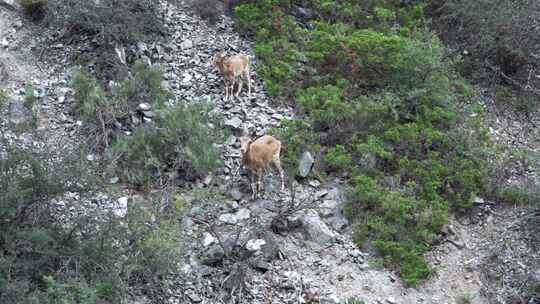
293 247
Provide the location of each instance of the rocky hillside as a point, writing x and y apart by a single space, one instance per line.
285 247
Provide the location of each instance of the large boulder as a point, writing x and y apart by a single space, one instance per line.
305 164
315 230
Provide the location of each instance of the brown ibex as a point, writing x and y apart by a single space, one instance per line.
234 68
257 156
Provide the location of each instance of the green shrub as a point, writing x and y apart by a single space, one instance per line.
338 158
3 97
30 97
210 10
80 257
383 104
181 141
104 112
34 9
465 298
110 21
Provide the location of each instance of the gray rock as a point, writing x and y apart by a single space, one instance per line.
186 79
186 44
193 297
208 239
315 230
234 123
277 116
243 214
305 165
233 219
9 4
236 194
233 205
270 248
148 114
90 157
314 183
135 120
338 222
213 256
144 106
304 13
258 263
120 208
141 46
255 244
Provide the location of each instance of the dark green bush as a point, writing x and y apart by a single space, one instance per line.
496 32
3 97
34 9
385 105
110 21
105 112
182 141
499 42
210 10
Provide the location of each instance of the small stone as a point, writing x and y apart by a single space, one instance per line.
236 194
213 256
208 239
228 218
207 180
233 219
314 183
255 245
391 300
260 264
148 114
135 120
113 180
243 214
121 207
90 157
141 46
144 106
277 117
186 44
234 123
193 297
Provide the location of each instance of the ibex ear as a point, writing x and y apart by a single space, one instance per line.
244 131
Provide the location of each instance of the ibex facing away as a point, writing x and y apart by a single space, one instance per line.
257 156
233 68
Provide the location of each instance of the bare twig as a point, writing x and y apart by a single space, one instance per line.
212 231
